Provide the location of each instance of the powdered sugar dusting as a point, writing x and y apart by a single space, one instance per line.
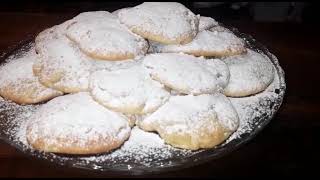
61 63
253 107
128 90
76 121
249 74
63 66
14 119
169 20
206 23
17 81
144 150
208 43
203 118
142 147
151 151
103 36
20 63
187 74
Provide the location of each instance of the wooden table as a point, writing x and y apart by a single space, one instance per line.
287 146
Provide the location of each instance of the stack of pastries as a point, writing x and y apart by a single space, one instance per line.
157 66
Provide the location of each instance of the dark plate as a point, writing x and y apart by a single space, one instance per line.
266 106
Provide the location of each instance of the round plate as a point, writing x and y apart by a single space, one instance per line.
259 110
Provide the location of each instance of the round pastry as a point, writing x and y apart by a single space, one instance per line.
61 65
206 23
207 43
57 56
100 35
250 73
193 122
76 124
165 22
18 84
130 91
187 74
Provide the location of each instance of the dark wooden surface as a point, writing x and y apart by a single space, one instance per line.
287 146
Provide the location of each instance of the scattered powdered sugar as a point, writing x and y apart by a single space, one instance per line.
255 106
14 119
19 63
142 148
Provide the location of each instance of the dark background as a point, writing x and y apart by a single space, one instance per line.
305 12
288 146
